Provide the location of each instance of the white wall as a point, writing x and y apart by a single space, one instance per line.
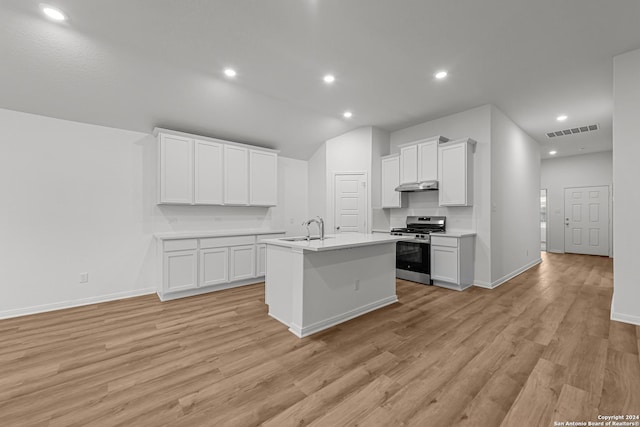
379 148
317 182
349 152
556 174
81 198
476 124
515 199
626 176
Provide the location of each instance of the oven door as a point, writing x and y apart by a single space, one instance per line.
413 256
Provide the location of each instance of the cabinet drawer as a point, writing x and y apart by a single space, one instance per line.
180 245
451 242
218 242
262 237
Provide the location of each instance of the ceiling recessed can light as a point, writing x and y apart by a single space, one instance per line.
347 114
230 72
329 78
561 118
53 13
553 152
440 74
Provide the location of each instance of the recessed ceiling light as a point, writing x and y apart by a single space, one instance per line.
561 118
53 13
553 152
440 74
347 114
230 72
329 78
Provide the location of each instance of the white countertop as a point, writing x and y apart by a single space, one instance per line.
452 233
172 235
381 230
455 233
337 241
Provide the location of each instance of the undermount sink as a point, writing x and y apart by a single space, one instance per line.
302 238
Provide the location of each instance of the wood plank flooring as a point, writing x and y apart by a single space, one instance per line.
538 349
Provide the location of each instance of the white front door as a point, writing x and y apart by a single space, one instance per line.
586 220
350 206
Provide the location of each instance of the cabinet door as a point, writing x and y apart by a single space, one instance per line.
444 264
390 180
452 174
261 260
263 178
176 169
236 175
180 270
428 161
409 164
208 173
214 266
242 262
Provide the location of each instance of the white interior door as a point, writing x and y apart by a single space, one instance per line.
350 206
586 225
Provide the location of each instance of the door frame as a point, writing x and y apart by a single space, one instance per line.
546 229
331 209
564 213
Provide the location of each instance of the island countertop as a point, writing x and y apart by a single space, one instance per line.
336 241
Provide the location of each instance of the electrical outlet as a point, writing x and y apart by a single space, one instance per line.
84 277
357 285
527 252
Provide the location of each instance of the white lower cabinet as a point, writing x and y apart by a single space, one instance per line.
261 259
196 265
243 262
214 266
180 270
445 263
452 261
180 265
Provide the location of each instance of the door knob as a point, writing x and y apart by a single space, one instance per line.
338 228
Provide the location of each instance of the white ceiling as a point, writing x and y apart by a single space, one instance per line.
145 63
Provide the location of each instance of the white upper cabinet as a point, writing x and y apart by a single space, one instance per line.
428 160
197 170
176 169
419 160
455 172
208 173
236 175
408 164
390 198
263 178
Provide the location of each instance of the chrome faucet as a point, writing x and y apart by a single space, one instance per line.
318 220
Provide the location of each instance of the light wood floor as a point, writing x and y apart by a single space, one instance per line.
538 349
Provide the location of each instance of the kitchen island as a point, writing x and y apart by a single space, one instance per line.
313 285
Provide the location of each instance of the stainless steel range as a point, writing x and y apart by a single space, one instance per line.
413 256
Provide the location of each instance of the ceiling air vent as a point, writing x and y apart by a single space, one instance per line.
573 131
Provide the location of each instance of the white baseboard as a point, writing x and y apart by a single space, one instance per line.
75 303
622 317
626 318
451 286
166 296
507 277
278 319
302 332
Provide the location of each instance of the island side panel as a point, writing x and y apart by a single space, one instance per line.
342 284
284 269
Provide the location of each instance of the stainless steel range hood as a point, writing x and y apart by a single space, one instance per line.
418 186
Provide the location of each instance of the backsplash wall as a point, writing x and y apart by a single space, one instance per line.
425 203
